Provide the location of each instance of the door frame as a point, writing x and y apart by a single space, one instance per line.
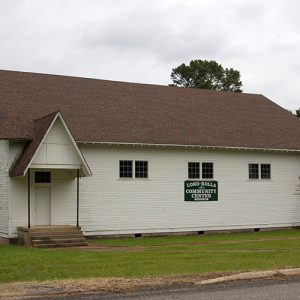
42 185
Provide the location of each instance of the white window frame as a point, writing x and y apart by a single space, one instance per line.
200 170
133 170
259 171
213 170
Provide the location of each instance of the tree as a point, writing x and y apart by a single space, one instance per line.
297 112
204 74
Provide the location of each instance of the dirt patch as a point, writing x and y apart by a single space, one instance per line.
23 290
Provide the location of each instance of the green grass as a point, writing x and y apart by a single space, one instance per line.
286 245
147 241
25 264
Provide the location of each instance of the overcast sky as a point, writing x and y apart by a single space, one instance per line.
142 40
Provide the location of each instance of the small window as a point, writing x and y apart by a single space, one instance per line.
194 170
265 171
42 177
141 169
207 170
253 171
125 168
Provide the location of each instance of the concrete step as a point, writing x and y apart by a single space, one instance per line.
61 240
55 234
37 229
61 245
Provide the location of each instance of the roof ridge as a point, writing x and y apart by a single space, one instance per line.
129 82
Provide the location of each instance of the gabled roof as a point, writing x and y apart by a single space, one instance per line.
41 127
117 112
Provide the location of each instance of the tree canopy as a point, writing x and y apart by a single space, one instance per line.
204 74
297 112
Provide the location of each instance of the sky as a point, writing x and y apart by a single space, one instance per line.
142 40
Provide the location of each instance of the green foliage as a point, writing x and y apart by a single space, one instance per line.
204 74
297 113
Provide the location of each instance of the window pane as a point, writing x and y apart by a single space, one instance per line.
141 169
193 170
125 168
42 177
265 171
207 170
253 171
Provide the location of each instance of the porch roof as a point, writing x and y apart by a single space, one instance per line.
41 128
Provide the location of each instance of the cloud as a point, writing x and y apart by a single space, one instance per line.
141 41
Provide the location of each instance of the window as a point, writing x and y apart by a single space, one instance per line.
259 171
42 177
125 168
253 171
194 170
141 169
207 170
265 171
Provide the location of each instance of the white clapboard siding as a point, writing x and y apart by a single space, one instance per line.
17 213
109 205
15 150
4 188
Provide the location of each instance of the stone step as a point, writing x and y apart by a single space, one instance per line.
56 234
64 241
60 240
55 229
51 236
61 245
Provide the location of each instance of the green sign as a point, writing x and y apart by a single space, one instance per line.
203 190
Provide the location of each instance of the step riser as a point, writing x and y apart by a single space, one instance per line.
54 231
50 235
66 240
62 245
59 238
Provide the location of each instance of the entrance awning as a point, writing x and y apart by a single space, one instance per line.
53 147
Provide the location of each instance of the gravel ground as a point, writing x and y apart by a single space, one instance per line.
20 290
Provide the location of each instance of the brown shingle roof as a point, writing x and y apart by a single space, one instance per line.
107 111
40 128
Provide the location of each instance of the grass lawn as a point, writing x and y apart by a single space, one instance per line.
154 256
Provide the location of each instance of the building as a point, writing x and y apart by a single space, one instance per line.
124 158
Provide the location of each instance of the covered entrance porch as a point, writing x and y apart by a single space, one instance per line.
50 167
53 197
53 210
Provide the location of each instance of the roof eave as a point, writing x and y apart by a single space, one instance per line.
192 146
